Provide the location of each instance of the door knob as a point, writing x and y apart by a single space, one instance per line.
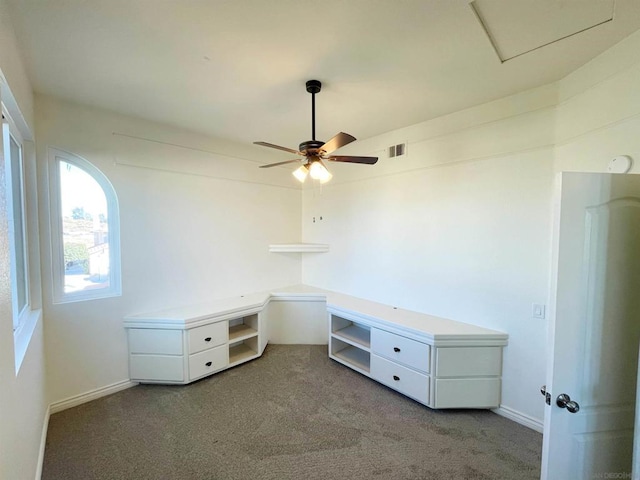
573 407
543 390
564 401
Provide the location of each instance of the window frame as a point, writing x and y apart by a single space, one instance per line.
11 132
55 156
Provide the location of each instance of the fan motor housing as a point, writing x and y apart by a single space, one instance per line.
310 146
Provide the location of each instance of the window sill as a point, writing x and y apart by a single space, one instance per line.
22 336
82 296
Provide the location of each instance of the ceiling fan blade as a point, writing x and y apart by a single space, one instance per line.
279 163
339 140
278 147
345 158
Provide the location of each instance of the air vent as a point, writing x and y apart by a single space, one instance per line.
397 150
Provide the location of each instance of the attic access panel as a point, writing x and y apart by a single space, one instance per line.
516 27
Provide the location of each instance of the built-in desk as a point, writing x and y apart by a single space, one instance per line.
180 345
438 362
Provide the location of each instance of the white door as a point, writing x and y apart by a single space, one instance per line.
594 328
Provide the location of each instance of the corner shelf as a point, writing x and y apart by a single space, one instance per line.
299 248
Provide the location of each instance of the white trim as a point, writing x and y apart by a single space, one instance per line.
57 249
76 400
43 443
519 417
22 336
17 228
12 107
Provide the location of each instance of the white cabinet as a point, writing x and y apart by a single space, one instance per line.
156 368
183 345
468 377
207 336
437 362
208 361
350 343
413 354
243 339
405 380
161 342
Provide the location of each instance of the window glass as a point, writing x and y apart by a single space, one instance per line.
20 257
85 230
14 173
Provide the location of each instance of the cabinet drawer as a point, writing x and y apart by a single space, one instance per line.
468 361
160 368
208 361
406 381
467 393
146 340
401 349
208 336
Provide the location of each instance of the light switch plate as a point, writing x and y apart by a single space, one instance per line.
539 310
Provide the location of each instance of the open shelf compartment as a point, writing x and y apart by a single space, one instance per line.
357 335
243 350
351 356
243 328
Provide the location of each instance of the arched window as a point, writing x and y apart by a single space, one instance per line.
85 230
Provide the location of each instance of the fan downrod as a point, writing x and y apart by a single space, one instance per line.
313 87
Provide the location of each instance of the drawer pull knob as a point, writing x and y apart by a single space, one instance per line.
396 349
208 364
396 378
208 339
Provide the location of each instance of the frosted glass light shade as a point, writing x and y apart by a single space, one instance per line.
301 173
318 171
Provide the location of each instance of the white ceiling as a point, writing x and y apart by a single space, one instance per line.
236 68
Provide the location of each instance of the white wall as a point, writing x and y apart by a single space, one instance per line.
461 226
23 402
599 111
13 69
197 216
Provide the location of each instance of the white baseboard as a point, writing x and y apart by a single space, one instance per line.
76 400
43 441
519 417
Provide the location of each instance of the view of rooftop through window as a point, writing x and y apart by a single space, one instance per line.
85 230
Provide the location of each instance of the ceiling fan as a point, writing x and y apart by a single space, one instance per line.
314 151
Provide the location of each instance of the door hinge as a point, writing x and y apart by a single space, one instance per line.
545 394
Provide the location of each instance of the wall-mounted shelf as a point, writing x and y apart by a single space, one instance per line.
299 248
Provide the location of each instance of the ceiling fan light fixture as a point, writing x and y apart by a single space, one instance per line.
319 172
328 177
301 173
314 151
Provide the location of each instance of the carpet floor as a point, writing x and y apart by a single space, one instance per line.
291 414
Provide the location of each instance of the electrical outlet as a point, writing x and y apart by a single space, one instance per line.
539 310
